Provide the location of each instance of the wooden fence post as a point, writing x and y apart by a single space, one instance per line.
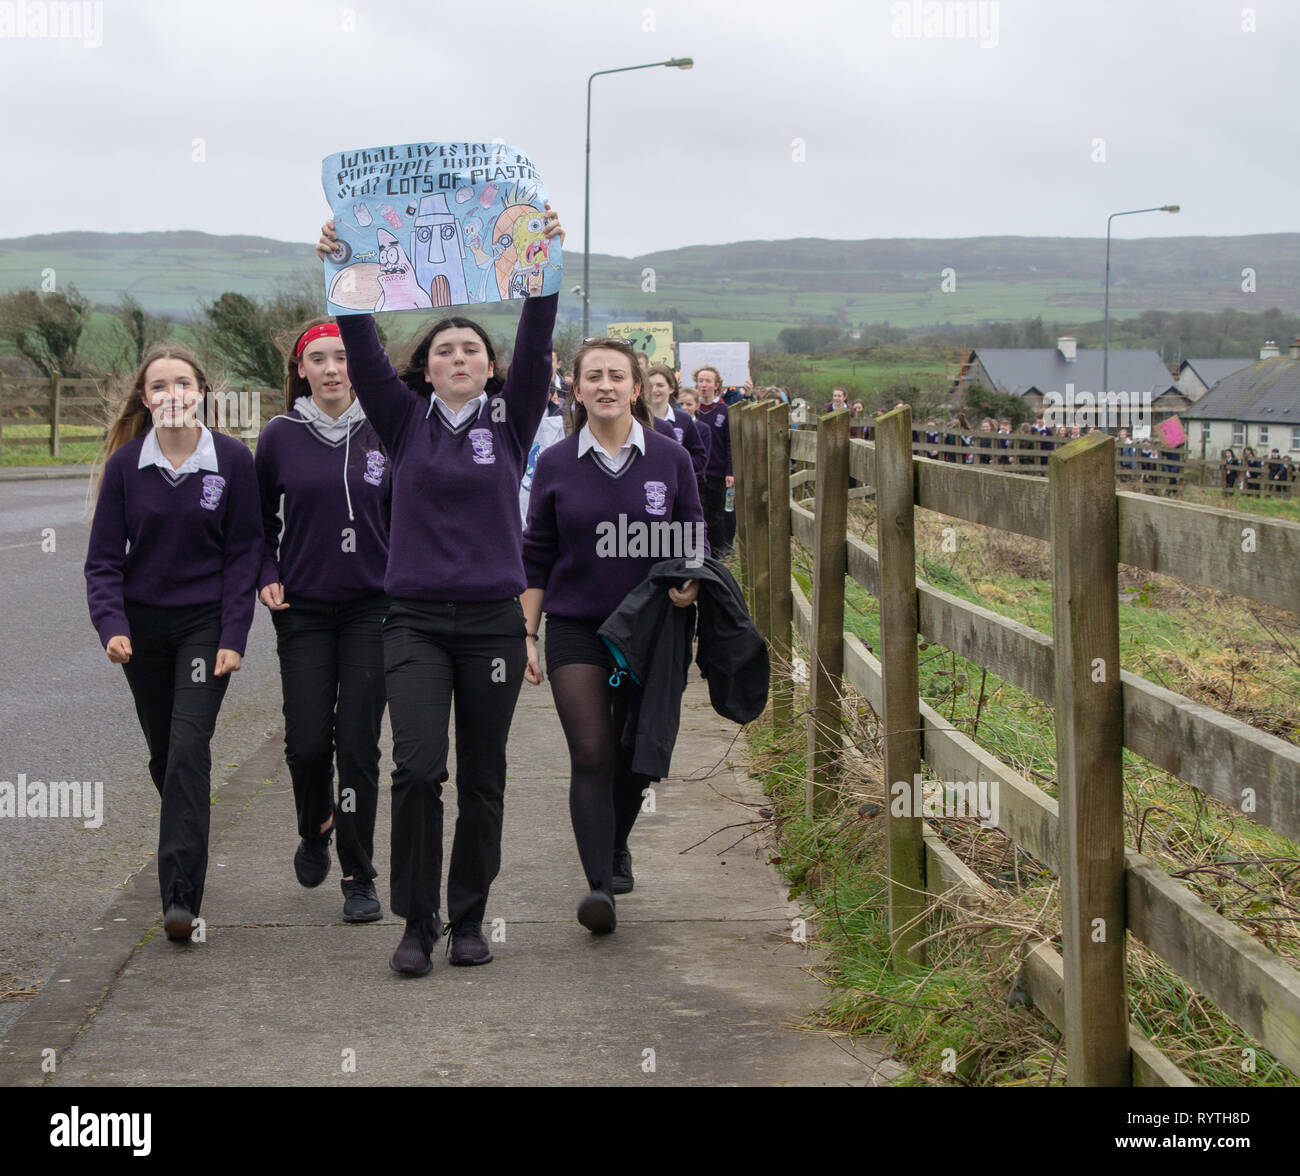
1084 533
900 684
830 560
54 415
778 560
735 424
754 427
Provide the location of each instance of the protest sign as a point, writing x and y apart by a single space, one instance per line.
731 359
425 225
1172 432
655 339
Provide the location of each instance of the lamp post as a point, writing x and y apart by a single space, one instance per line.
1105 347
672 63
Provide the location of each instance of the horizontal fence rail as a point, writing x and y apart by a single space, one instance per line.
1254 558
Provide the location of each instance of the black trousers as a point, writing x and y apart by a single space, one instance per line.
177 698
713 493
332 675
437 655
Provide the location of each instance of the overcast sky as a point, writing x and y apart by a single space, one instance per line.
902 135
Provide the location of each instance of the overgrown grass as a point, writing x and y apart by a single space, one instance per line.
1234 656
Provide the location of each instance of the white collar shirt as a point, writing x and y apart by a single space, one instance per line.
455 419
612 461
204 456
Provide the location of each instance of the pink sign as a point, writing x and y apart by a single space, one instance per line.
1172 431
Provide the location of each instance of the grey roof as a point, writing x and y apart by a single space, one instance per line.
1211 371
1266 392
1135 371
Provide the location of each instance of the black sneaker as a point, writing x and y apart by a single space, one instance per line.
623 880
596 913
467 946
360 902
312 860
178 922
413 956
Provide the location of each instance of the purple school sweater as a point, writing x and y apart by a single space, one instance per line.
194 540
592 536
323 554
686 433
455 533
713 418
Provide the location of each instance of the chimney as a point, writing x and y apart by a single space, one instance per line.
1270 350
1295 348
1066 345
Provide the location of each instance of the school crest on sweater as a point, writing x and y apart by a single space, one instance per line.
656 498
481 440
374 467
213 486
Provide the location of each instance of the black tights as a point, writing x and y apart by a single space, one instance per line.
604 794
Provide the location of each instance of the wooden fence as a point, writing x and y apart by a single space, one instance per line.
1107 889
58 403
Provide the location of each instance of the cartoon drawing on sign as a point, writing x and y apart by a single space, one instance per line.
520 231
473 230
439 254
400 290
464 224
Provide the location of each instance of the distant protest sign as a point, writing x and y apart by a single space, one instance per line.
655 339
1172 432
731 359
425 225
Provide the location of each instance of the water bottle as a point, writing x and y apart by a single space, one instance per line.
729 504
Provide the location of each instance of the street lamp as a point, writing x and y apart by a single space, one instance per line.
1105 347
672 63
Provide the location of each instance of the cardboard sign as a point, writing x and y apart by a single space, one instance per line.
1172 432
430 225
655 339
731 359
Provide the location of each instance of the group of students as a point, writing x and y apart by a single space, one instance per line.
1251 473
380 524
694 416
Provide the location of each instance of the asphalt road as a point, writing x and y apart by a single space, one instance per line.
66 714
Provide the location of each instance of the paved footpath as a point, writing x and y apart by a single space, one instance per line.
700 985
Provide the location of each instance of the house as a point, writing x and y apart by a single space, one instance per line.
1257 406
1141 388
1197 376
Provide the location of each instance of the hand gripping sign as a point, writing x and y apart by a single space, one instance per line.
425 225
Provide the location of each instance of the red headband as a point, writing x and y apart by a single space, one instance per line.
320 331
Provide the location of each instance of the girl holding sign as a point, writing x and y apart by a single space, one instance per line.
458 436
614 467
323 580
174 610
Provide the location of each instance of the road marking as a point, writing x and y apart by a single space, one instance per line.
11 546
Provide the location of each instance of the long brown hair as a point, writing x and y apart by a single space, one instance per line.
662 369
133 418
640 410
294 384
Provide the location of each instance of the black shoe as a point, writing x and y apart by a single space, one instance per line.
360 902
312 861
178 922
596 913
467 946
623 880
413 956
